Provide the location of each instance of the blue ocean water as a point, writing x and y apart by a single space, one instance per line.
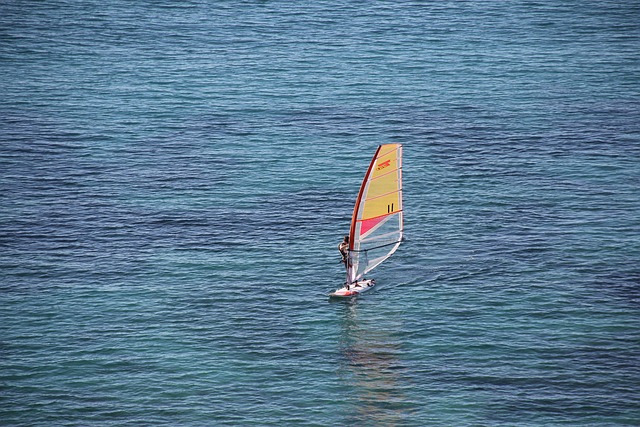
175 179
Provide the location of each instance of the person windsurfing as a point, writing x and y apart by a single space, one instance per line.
343 247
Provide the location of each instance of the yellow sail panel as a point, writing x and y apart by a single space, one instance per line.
382 205
386 162
384 184
382 194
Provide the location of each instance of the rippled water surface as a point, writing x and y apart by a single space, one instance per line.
176 176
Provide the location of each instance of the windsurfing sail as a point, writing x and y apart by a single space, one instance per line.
376 224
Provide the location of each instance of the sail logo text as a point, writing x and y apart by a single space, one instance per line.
383 165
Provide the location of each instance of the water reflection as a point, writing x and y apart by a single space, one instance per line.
372 369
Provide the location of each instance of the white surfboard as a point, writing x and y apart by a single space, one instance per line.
354 289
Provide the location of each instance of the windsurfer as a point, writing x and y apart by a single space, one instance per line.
343 247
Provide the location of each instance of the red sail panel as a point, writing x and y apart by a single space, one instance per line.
368 224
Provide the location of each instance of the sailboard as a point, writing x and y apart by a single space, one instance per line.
377 221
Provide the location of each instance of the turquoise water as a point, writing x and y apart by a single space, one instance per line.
175 179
